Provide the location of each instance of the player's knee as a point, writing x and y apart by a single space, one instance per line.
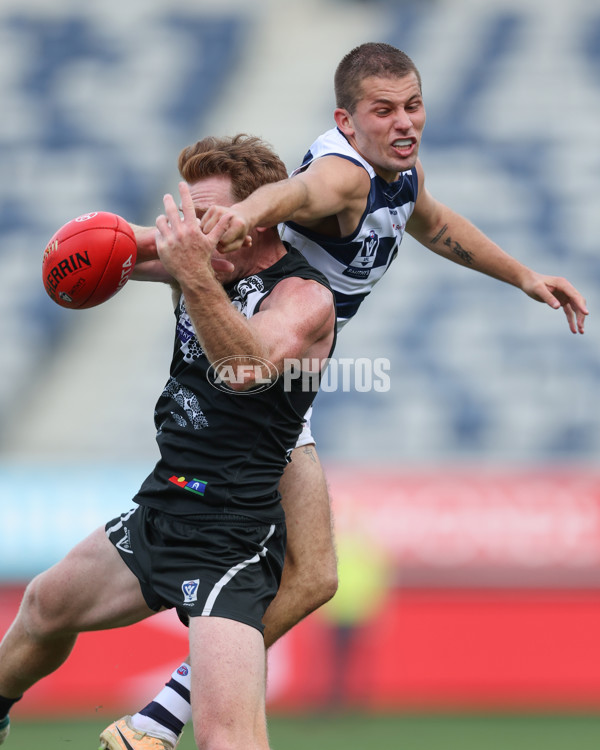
43 612
326 585
315 584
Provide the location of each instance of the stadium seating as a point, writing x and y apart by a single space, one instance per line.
95 113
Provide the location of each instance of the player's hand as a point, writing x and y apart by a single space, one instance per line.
187 252
236 234
558 292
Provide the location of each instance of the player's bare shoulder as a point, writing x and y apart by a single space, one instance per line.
301 293
307 301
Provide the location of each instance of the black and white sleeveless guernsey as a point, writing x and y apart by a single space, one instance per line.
221 451
354 264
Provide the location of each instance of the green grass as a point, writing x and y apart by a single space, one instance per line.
360 732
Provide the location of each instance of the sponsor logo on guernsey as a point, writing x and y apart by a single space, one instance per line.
189 344
184 333
198 486
361 266
190 591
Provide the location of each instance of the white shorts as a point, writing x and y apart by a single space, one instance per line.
305 437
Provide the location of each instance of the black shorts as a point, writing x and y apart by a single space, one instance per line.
224 566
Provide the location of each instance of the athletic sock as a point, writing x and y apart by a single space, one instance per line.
6 704
170 710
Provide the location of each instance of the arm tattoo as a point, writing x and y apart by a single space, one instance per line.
309 452
458 250
440 234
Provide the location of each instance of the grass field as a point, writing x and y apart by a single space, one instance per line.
357 732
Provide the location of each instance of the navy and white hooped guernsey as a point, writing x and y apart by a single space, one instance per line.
354 264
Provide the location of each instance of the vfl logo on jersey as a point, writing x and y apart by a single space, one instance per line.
198 486
190 591
361 266
243 289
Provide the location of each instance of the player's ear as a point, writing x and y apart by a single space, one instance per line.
343 119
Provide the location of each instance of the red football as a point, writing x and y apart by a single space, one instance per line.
88 260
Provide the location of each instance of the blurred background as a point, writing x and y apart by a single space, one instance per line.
467 497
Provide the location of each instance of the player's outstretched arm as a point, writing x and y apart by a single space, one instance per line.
148 266
329 187
452 236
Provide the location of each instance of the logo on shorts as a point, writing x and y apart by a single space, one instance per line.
124 544
183 670
198 486
190 591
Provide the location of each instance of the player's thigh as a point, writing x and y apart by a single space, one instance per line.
91 588
305 499
228 669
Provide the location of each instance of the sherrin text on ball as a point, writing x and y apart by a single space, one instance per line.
88 260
